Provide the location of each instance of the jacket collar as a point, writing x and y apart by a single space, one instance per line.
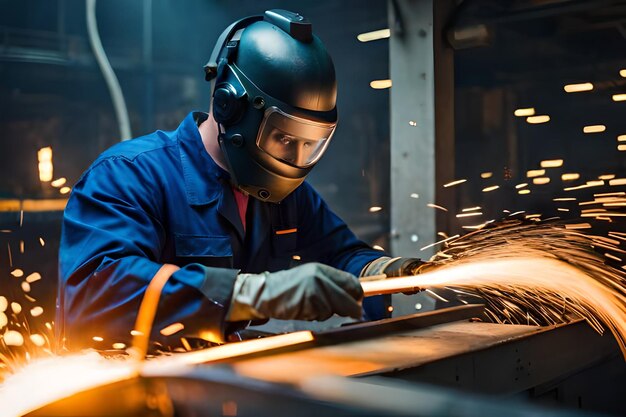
203 177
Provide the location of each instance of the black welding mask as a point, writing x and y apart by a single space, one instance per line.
274 99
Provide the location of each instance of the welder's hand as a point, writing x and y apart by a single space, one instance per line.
311 291
394 267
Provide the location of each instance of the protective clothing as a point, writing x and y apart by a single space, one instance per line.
312 291
162 199
274 100
394 267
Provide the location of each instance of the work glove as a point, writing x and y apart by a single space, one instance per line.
394 267
312 291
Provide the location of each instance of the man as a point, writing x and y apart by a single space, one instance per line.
224 199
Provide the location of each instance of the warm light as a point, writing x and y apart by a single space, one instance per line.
172 328
374 35
97 339
576 88
530 111
470 214
522 185
621 138
594 129
606 177
65 190
58 182
493 187
374 209
380 84
470 209
618 181
621 147
119 346
524 191
619 97
551 163
44 155
535 173
535 120
486 175
541 180
296 257
450 184
570 176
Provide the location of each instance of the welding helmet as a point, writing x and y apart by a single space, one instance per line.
274 99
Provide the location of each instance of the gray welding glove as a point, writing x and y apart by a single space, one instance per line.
312 291
394 267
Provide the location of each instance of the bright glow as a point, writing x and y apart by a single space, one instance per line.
621 138
435 206
453 183
570 176
530 111
65 190
44 155
486 175
564 199
524 191
44 381
172 329
535 120
551 163
374 35
535 173
522 185
577 88
621 147
440 241
465 210
606 177
618 181
119 346
491 188
378 247
619 97
97 339
58 182
541 180
380 84
594 129
374 209
35 276
414 195
296 257
587 185
472 213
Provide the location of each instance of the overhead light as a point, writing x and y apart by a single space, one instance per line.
570 176
551 163
535 173
594 129
577 88
530 111
374 35
380 84
534 120
619 97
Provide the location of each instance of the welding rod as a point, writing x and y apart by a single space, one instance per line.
389 286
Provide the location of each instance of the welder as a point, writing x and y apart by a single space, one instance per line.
223 198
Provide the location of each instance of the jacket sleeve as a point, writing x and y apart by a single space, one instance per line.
112 238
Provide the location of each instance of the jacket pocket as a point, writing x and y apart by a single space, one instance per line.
206 250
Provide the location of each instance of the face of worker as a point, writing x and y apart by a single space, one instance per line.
291 149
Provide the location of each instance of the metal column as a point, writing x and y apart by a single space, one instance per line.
421 127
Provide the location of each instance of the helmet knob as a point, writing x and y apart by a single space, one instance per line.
227 108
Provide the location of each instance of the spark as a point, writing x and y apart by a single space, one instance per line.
378 247
16 308
4 303
374 35
35 276
562 209
36 311
13 338
380 84
172 329
534 120
21 246
58 182
529 111
453 183
17 273
21 217
414 195
618 181
587 185
486 175
564 199
491 188
616 194
521 185
541 180
575 226
473 213
25 286
97 339
606 177
10 257
470 209
4 320
42 242
524 191
119 346
435 206
374 209
296 257
594 129
439 242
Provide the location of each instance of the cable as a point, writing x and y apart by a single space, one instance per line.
121 112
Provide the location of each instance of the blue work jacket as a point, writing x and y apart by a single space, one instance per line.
161 199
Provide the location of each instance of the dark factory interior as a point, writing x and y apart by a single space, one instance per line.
481 144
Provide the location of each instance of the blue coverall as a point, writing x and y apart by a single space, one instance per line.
160 199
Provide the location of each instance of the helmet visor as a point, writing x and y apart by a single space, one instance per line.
294 140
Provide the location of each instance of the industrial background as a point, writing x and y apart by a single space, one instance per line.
450 105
